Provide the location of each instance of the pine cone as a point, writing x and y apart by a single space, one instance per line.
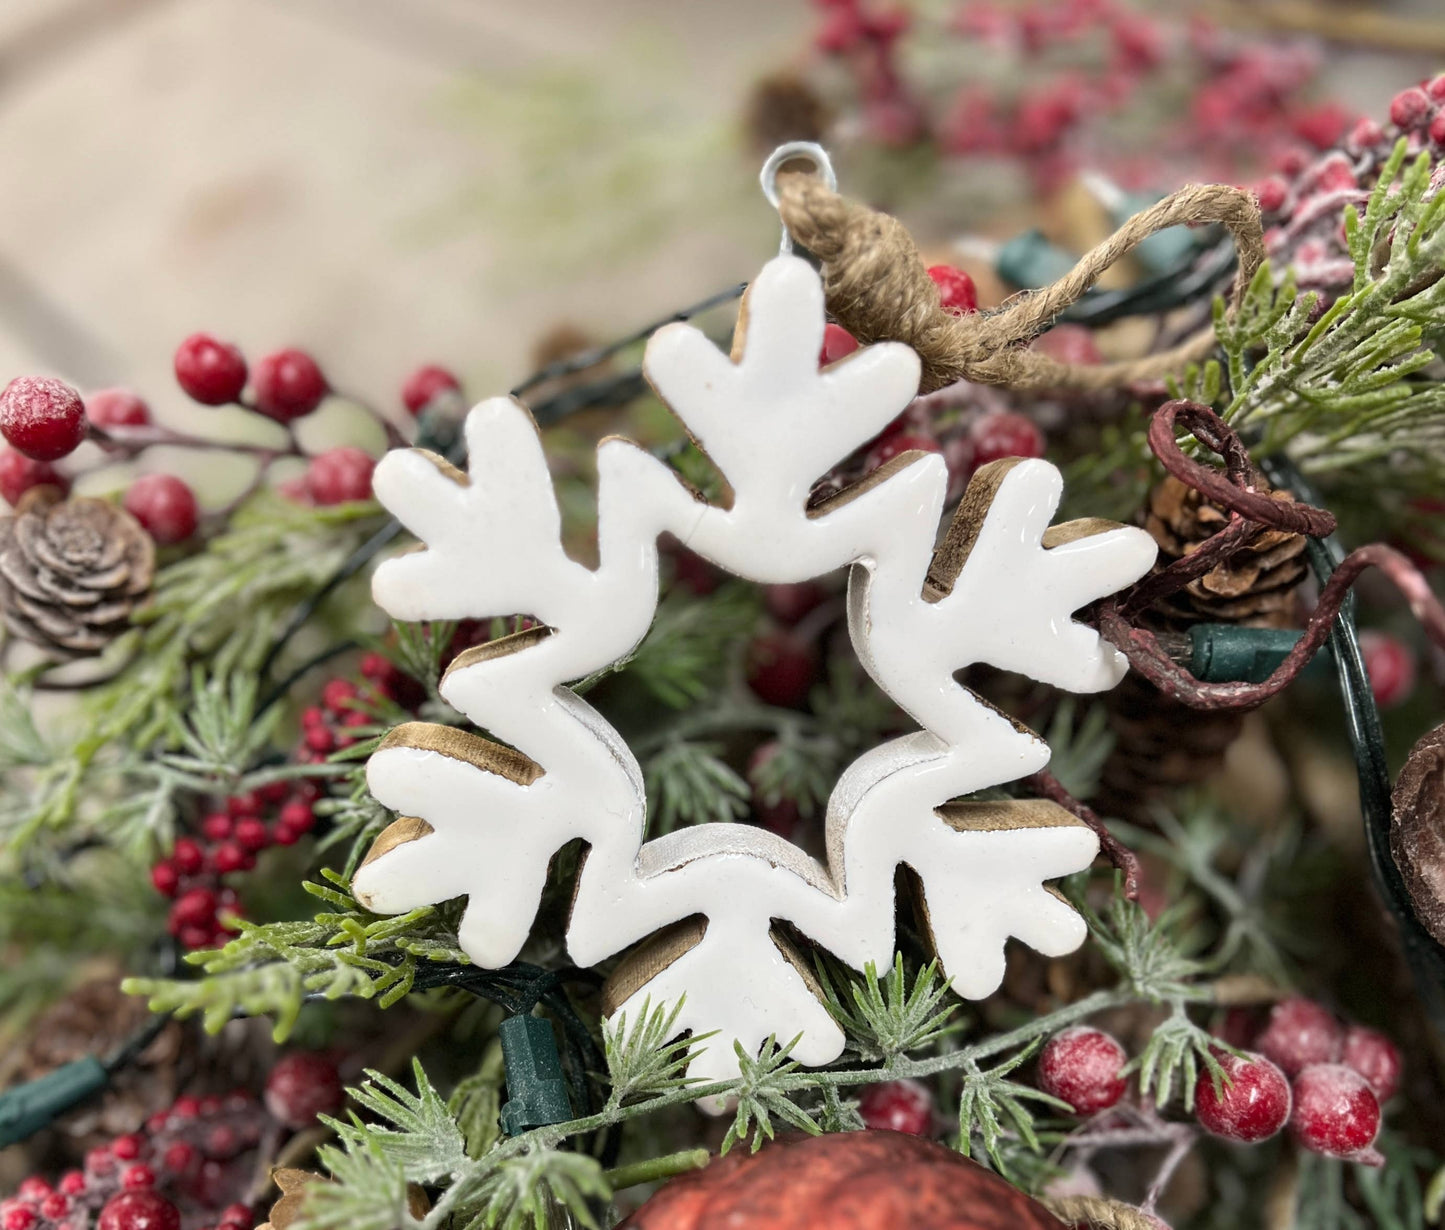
71 571
783 107
1254 587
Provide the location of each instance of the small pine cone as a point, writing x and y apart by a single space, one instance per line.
783 107
1254 588
1160 746
71 571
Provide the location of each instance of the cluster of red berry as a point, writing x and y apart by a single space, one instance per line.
204 906
1246 102
1325 1080
346 707
182 1154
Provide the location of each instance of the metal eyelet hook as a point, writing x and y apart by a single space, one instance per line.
812 152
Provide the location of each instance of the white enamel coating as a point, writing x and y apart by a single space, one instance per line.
773 423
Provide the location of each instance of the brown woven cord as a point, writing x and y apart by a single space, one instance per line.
879 290
1101 1214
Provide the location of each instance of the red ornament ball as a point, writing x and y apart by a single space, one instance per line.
1390 664
165 506
838 343
19 473
339 475
143 1210
116 408
289 385
210 371
996 436
1375 1057
781 669
425 384
897 1106
1083 1066
956 292
42 417
1252 1106
301 1086
1335 1110
1299 1032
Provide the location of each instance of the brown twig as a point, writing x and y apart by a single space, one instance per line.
1048 786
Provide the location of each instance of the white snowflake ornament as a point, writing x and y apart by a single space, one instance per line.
699 907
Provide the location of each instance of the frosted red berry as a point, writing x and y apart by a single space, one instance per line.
19 1217
1335 1110
126 1148
19 473
139 1211
251 834
1299 1032
1375 1057
228 857
1069 344
301 1086
1409 107
1437 128
117 408
339 475
1005 434
425 385
288 385
1435 88
165 879
236 1215
297 815
956 291
99 1162
188 856
339 694
195 908
1271 194
210 371
72 1183
217 826
179 1157
781 669
33 1189
165 506
1252 1105
1390 664
897 1106
838 343
1083 1066
54 1207
137 1177
42 417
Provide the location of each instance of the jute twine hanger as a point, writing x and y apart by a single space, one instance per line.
878 289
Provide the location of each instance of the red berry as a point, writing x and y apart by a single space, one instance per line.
19 473
897 1106
1390 663
896 445
781 815
211 372
165 879
1069 344
54 1207
33 1189
1366 134
42 417
1321 126
222 1141
1271 194
72 1183
249 803
236 1215
1435 88
789 603
320 739
126 1148
425 384
217 826
188 856
19 1217
139 1211
313 715
99 1162
137 1178
781 669
210 1106
842 30
376 667
338 694
956 291
186 1107
297 816
1005 434
288 385
165 506
194 938
1437 128
1299 1032
196 908
1335 1110
339 475
1083 1066
1375 1057
179 1157
228 857
116 408
1409 107
301 1086
1252 1106
838 343
251 834
284 835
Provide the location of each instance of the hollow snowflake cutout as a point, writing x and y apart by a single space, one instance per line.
700 907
